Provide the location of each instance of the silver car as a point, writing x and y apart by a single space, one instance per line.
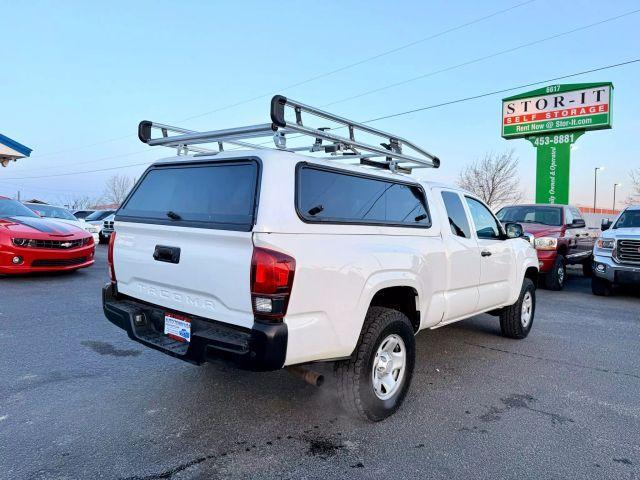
616 255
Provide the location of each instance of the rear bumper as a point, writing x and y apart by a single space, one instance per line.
262 347
606 268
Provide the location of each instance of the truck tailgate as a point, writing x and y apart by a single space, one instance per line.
211 278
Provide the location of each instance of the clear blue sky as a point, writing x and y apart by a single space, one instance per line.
79 73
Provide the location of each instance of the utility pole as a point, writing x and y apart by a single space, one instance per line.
595 186
615 185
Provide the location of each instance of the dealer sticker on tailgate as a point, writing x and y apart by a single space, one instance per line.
177 327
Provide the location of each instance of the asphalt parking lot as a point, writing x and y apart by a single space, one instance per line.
79 400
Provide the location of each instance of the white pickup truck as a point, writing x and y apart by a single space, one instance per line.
271 258
616 254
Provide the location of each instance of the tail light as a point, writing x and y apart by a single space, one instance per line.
271 282
112 272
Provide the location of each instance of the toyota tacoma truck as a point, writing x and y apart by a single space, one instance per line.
274 258
616 255
559 235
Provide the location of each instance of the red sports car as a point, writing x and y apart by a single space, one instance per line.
29 243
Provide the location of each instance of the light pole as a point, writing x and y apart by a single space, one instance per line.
615 185
595 186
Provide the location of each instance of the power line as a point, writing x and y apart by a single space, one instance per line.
476 60
398 114
475 97
419 77
48 190
79 173
110 157
366 60
480 59
316 77
504 90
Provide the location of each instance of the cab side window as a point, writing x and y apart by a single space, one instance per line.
576 213
486 225
457 216
572 214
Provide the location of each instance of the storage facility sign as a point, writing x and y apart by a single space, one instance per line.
556 108
552 119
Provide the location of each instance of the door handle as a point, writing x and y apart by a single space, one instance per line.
163 253
485 253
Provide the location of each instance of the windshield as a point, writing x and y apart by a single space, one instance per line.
52 212
531 214
98 215
12 208
628 219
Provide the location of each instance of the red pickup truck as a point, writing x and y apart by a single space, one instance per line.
559 235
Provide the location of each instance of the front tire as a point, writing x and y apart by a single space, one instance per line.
516 320
373 383
557 276
601 287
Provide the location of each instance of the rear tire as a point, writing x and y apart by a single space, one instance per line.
556 278
372 384
516 320
601 287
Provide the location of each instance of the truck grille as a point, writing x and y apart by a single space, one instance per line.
628 251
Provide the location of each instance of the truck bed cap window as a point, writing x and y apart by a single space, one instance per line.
212 195
334 196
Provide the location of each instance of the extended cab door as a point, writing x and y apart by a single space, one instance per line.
497 259
463 276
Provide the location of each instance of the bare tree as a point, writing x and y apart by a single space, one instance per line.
78 202
493 178
634 197
117 188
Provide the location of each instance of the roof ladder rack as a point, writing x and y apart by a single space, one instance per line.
389 151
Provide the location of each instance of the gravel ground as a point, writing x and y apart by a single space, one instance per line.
79 400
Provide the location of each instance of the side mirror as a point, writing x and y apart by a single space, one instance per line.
605 225
514 230
578 223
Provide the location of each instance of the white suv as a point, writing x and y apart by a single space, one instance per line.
272 259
